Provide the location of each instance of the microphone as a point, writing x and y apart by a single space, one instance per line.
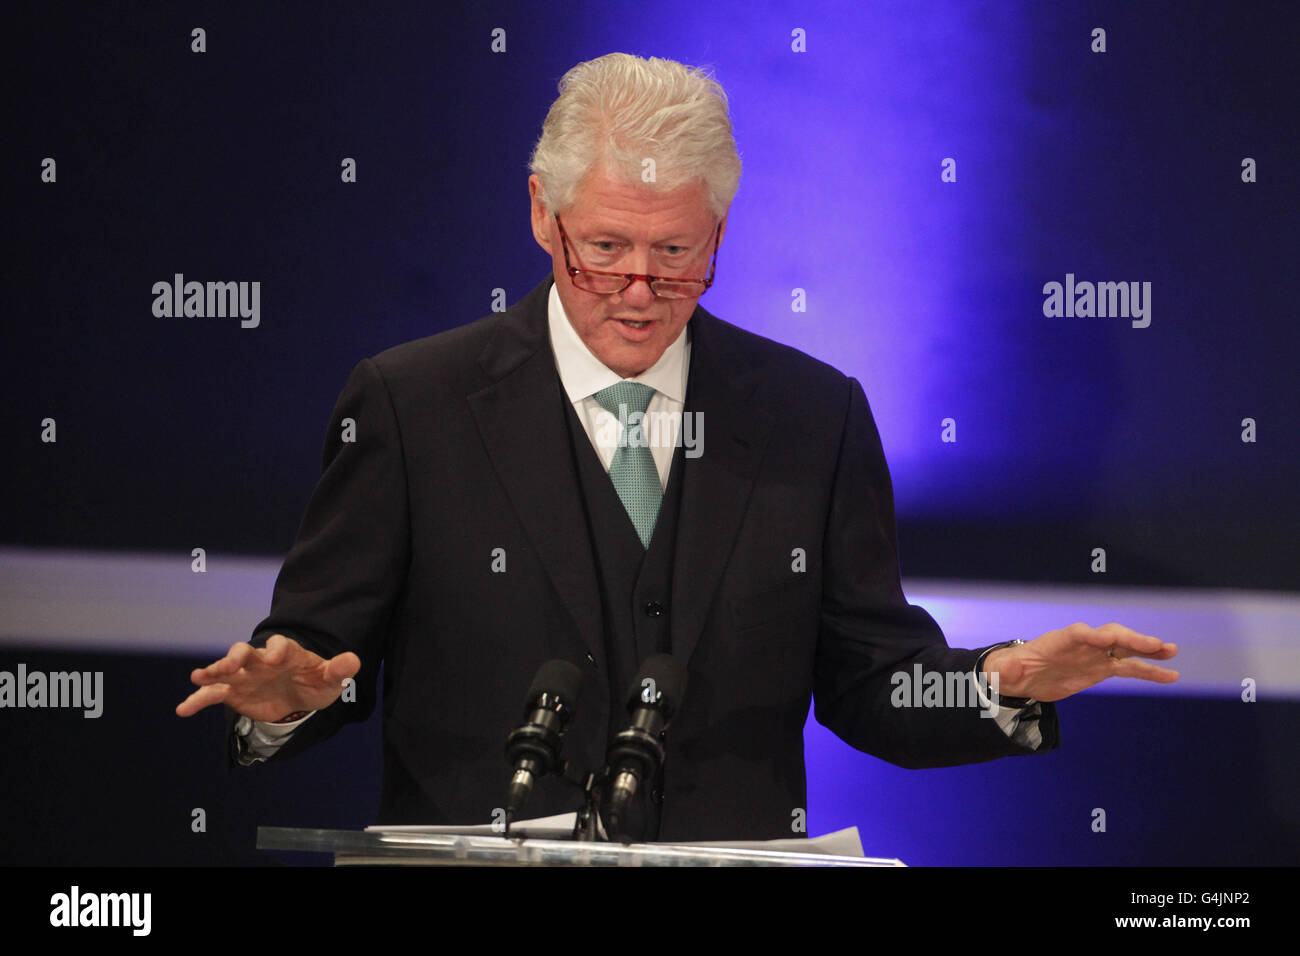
637 753
533 748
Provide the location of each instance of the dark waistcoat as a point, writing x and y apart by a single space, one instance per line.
634 582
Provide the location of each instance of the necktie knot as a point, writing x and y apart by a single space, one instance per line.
632 396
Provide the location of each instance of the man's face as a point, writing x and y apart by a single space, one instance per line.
617 227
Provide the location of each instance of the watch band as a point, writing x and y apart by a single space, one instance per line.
1012 703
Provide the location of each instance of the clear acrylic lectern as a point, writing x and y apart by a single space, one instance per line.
433 848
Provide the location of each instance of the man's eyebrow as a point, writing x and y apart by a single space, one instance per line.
598 235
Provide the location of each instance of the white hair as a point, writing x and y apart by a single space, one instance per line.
619 110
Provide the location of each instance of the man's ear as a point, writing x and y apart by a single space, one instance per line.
541 216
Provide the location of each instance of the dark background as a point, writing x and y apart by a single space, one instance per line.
1073 434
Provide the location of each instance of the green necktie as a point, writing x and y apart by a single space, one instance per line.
633 471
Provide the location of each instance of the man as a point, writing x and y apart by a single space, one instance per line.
498 507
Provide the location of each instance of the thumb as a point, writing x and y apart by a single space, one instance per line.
341 667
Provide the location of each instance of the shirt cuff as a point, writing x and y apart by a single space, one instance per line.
1018 723
260 739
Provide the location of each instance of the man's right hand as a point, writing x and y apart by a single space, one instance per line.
269 684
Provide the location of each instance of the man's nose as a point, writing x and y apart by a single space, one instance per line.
639 295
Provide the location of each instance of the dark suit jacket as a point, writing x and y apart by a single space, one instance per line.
461 449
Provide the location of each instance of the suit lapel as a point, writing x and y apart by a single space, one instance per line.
717 485
519 419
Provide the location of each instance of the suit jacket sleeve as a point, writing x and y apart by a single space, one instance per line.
869 632
347 568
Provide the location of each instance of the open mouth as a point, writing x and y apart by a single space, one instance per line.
635 325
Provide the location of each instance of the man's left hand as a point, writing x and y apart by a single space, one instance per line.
1064 662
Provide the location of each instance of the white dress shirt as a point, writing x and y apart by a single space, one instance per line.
583 375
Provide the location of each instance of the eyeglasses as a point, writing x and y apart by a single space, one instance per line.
609 283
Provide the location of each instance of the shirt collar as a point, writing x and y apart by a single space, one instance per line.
583 374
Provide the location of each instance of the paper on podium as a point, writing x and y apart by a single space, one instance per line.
840 843
560 827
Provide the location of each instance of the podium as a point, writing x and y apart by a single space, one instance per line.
432 848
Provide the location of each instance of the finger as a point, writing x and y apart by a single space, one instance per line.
1162 652
216 671
1092 636
203 697
277 649
343 666
1166 651
1143 670
1116 640
240 652
236 658
1123 636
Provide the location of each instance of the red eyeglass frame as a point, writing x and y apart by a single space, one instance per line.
631 277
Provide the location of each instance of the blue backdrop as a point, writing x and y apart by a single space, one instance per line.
915 175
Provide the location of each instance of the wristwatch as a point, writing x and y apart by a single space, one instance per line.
1003 700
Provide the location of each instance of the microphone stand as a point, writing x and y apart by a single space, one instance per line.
587 827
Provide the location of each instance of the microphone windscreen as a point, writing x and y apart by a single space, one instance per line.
669 678
559 679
